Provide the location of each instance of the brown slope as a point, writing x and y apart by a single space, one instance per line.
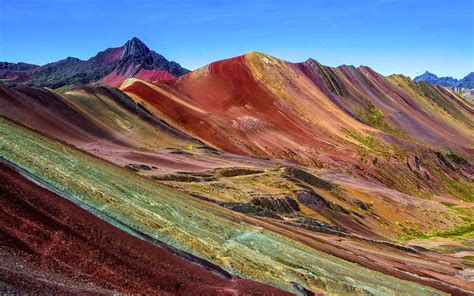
51 245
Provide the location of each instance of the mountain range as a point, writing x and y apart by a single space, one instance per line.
250 175
466 82
108 67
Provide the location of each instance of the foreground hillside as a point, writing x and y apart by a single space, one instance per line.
246 174
144 208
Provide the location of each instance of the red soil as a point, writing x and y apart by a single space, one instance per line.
115 79
258 106
153 75
49 243
239 114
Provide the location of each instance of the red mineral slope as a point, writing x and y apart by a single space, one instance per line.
50 244
352 120
106 122
259 105
225 105
115 79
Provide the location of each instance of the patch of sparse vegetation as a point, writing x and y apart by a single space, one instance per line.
456 158
376 118
455 232
467 228
371 142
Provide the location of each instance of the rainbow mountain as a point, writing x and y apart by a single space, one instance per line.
251 175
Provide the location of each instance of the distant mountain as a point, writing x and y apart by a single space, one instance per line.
466 82
108 67
433 79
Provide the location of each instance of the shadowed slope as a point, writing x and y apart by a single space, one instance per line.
100 120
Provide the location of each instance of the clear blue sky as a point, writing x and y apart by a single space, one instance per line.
391 36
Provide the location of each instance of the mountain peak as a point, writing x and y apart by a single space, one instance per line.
135 41
429 74
435 80
134 47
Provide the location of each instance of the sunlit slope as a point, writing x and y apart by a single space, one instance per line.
411 137
227 105
212 233
397 105
259 105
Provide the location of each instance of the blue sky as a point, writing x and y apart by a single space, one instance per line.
391 36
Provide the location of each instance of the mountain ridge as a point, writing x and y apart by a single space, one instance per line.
107 67
448 81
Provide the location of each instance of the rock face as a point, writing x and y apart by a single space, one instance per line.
108 67
466 82
16 66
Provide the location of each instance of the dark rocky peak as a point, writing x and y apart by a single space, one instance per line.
135 48
312 62
427 76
